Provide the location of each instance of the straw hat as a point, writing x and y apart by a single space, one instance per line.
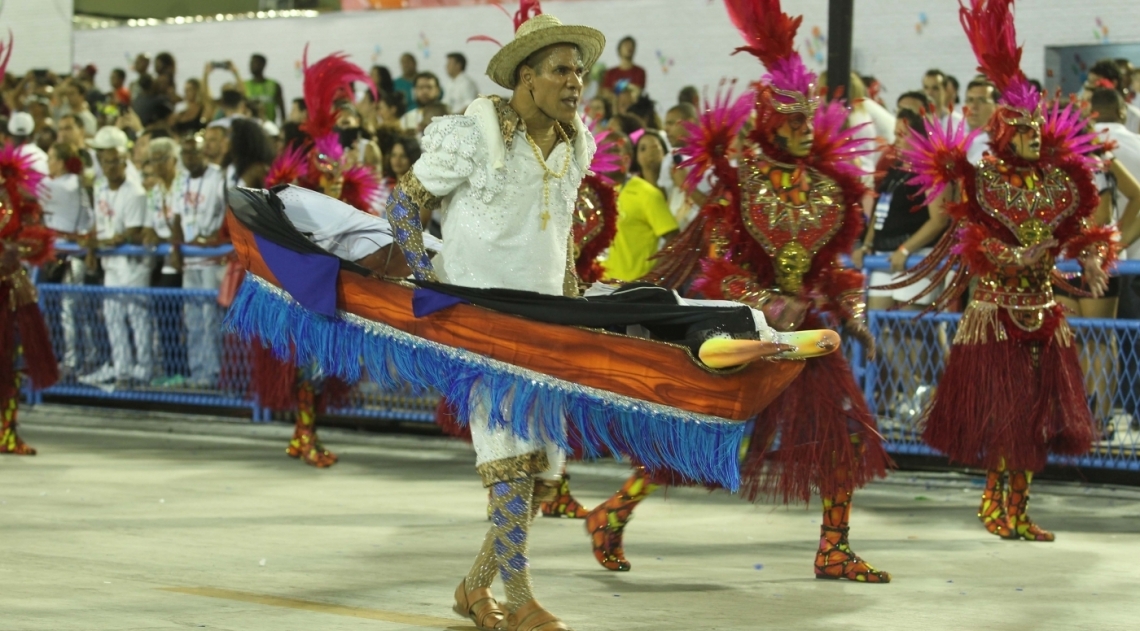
537 33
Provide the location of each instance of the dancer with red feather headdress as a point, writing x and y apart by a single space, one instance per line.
771 238
316 164
23 240
1013 390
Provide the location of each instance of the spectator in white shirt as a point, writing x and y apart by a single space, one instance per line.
683 203
934 85
1108 107
460 89
981 103
71 132
120 215
22 129
426 92
67 211
163 180
199 213
1106 73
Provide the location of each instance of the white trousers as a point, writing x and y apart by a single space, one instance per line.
203 323
500 444
76 317
119 309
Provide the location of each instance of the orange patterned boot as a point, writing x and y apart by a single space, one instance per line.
564 504
835 559
10 442
606 523
992 510
305 444
1017 506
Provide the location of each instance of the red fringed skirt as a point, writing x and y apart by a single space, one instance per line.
275 382
818 436
22 326
1019 399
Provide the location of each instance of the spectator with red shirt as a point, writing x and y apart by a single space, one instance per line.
625 69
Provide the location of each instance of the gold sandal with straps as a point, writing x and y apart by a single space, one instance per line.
479 606
533 617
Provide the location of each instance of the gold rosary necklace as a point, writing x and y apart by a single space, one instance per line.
547 174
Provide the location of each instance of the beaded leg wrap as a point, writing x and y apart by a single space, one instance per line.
10 442
1016 508
305 444
607 522
992 510
564 504
510 526
835 559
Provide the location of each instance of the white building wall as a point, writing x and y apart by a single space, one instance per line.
681 42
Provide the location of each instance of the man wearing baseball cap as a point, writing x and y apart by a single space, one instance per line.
508 173
120 214
22 129
109 137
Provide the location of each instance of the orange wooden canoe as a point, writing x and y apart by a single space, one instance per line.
651 371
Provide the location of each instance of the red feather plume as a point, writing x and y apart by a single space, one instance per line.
989 27
291 166
360 188
6 53
527 10
326 81
769 32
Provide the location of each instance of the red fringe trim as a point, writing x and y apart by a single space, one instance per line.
274 381
993 403
448 420
39 358
586 265
1089 237
814 420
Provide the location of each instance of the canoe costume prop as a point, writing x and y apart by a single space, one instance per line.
23 240
1013 389
791 206
492 321
281 383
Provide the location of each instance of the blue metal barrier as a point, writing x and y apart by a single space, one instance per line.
897 383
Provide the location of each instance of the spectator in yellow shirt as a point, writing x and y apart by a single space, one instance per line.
644 218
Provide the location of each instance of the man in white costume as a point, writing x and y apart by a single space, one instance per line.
506 176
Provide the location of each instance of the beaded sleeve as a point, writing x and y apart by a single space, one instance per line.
570 281
403 210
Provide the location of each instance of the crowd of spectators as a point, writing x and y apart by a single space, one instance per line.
148 162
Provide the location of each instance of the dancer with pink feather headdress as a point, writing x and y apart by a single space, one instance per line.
23 240
317 164
770 238
1013 390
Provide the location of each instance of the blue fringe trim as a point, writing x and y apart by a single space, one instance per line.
531 404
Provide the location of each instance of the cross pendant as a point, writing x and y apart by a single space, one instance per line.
545 216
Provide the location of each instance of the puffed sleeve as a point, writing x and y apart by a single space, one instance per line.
454 150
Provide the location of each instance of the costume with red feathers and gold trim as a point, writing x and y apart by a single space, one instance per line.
770 237
317 164
1013 389
23 240
595 212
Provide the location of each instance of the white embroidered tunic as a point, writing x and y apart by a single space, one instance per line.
499 228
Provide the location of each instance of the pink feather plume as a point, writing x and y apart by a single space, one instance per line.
707 142
936 158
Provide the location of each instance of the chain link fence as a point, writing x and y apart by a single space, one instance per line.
172 350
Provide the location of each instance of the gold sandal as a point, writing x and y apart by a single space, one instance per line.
532 617
479 606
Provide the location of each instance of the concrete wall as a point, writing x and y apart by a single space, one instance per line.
681 41
42 33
